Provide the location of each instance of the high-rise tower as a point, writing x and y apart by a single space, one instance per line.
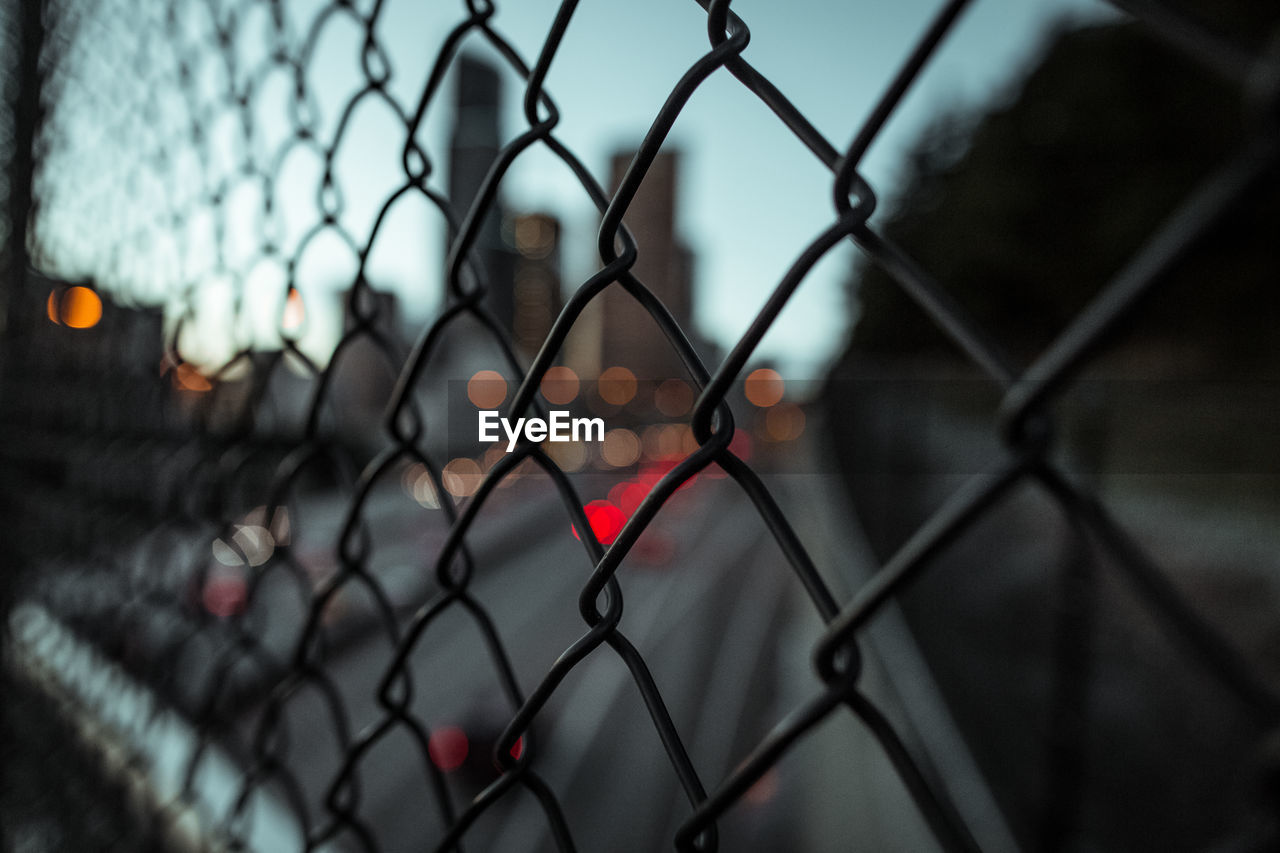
536 279
629 336
473 146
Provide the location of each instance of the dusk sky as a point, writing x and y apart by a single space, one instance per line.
752 196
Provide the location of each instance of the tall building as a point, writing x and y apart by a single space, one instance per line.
373 364
473 147
537 299
629 337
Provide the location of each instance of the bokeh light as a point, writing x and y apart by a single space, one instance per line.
617 386
419 486
493 456
535 236
671 441
461 477
80 308
628 495
620 448
606 521
486 389
674 398
224 594
187 378
255 542
560 386
277 525
409 476
784 422
295 311
448 747
763 387
688 442
651 440
225 554
569 455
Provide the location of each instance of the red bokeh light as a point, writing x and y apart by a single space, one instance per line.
606 521
448 747
224 596
517 749
632 495
650 474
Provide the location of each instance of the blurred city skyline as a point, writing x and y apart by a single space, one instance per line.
739 166
750 197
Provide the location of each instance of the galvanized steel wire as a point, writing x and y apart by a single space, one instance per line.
128 120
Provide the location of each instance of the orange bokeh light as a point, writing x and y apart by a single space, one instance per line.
763 387
569 455
621 447
673 398
559 386
617 386
784 422
187 378
79 307
486 389
535 236
461 477
295 311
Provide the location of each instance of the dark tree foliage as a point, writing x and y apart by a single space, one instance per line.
1023 213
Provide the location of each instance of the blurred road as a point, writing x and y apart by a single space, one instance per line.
704 591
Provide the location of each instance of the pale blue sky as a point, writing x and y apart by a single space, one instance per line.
751 199
753 196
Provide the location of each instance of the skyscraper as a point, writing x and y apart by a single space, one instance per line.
473 146
537 299
629 336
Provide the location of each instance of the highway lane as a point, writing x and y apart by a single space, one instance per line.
702 628
699 604
710 603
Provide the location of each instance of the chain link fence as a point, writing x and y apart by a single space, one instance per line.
196 498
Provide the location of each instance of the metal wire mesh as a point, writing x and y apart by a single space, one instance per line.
150 133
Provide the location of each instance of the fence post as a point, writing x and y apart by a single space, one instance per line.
28 31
